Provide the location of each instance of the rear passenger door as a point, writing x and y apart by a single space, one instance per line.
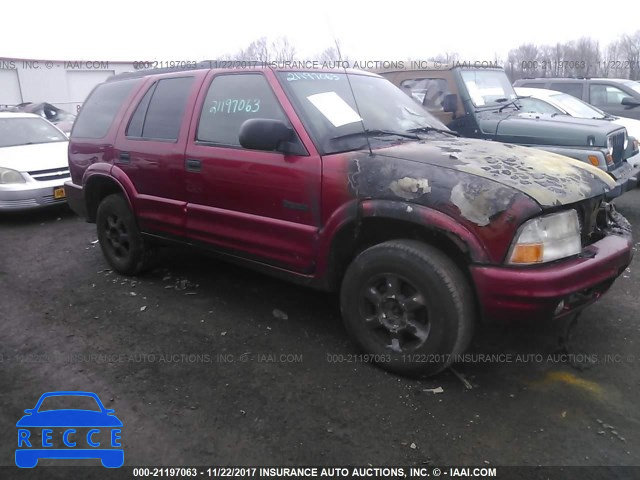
150 151
262 205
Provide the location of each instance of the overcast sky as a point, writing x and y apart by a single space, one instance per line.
372 30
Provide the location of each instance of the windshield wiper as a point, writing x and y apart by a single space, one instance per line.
432 129
512 102
376 133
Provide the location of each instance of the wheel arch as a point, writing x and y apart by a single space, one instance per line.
380 221
97 188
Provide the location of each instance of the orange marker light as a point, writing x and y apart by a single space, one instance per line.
594 160
527 253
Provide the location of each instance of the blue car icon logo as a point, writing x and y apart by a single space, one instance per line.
54 430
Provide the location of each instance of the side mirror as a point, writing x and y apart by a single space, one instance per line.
450 103
630 102
264 134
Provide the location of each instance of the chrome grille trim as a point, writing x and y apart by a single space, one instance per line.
50 174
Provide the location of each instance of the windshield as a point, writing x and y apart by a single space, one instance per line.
327 108
488 87
576 107
27 131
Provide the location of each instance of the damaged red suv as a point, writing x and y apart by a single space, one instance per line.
339 181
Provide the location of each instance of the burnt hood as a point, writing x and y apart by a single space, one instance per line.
547 178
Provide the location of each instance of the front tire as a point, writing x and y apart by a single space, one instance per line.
408 305
120 239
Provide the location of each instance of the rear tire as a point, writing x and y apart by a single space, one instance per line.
409 306
120 239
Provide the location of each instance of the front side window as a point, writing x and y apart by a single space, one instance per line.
488 87
160 112
231 100
337 110
27 131
606 95
429 92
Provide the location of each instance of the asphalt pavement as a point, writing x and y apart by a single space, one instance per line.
208 363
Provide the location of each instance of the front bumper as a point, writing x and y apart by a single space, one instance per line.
30 195
75 198
626 177
535 293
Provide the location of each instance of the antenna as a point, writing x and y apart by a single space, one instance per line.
355 102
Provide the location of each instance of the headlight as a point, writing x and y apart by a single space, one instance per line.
547 238
626 141
10 176
609 146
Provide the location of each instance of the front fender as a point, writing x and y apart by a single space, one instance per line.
425 217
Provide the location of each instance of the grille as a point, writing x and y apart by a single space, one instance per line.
31 202
587 216
51 174
617 141
52 199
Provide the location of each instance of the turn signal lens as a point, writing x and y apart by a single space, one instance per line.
594 160
533 253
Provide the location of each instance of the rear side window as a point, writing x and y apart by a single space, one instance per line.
159 114
101 108
574 89
230 101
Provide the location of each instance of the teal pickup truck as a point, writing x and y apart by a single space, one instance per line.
481 103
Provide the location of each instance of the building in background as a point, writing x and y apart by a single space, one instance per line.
62 83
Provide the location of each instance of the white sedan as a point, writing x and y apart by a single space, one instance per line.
33 162
541 100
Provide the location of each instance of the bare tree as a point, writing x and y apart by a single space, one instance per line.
609 58
257 51
631 51
282 50
523 62
446 57
586 58
329 54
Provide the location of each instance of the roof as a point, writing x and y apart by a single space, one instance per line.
233 65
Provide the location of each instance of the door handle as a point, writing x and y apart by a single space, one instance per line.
193 165
124 157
